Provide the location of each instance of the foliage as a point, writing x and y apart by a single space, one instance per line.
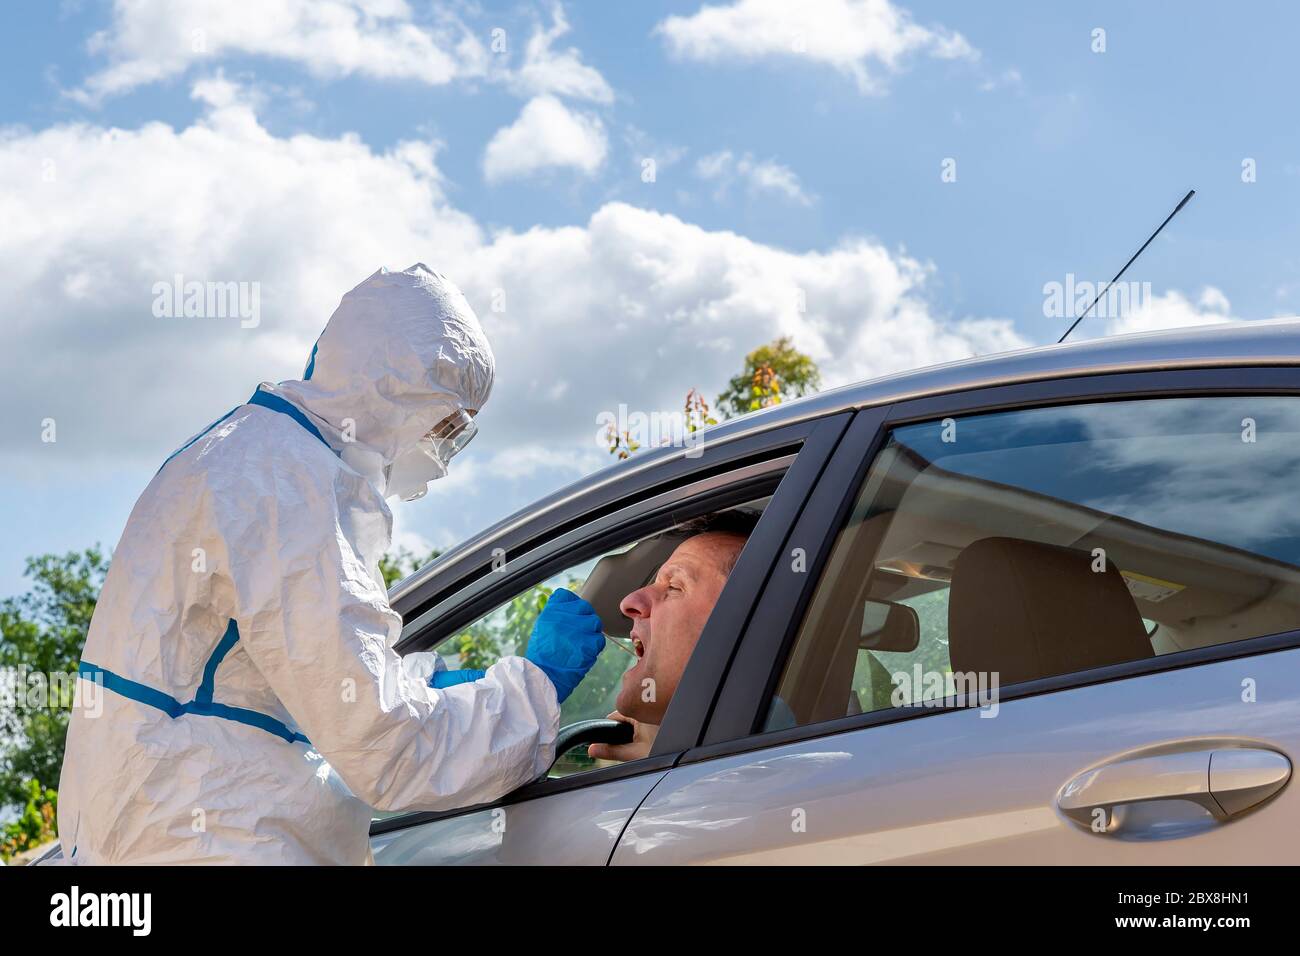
502 633
697 412
875 672
695 415
621 443
505 632
396 565
37 825
45 628
772 373
42 632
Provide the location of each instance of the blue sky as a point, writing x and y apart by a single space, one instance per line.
788 157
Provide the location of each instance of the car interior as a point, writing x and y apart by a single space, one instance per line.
604 582
943 565
619 573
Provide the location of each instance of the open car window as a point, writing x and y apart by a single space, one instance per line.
996 549
603 581
505 631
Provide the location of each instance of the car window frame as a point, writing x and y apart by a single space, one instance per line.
735 725
801 449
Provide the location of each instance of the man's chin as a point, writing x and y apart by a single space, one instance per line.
628 704
629 692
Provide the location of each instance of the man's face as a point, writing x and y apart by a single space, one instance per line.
668 615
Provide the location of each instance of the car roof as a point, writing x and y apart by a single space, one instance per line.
1267 342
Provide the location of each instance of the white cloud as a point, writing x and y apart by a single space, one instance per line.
855 37
153 40
149 41
635 307
1173 310
95 216
525 461
760 176
563 73
631 307
546 135
644 150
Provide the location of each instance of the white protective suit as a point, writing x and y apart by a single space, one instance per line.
253 709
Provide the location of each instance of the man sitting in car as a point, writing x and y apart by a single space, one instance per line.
668 615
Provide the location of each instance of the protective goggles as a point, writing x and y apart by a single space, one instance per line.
450 435
409 475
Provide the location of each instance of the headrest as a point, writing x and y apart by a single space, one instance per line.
615 576
1028 610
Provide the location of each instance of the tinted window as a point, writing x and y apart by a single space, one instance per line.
1035 543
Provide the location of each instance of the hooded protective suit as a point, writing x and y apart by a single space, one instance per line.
240 700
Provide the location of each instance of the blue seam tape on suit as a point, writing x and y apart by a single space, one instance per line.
267 400
203 705
277 404
196 438
204 695
311 363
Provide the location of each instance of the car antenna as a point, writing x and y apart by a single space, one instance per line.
1190 194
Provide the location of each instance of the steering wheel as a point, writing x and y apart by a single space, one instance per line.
601 731
585 732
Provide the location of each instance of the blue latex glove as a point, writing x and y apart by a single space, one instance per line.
566 641
441 679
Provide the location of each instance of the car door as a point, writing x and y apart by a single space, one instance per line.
1102 580
575 814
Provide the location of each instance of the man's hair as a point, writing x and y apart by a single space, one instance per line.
740 523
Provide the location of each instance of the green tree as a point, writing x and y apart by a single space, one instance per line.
36 825
41 636
772 373
398 564
502 633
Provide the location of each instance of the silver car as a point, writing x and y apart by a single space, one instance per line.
1038 607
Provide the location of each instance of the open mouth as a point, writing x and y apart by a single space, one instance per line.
638 647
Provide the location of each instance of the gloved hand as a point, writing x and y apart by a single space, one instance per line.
566 641
441 679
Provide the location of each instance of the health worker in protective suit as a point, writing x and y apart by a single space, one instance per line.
251 707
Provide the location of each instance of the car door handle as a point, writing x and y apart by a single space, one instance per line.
1225 781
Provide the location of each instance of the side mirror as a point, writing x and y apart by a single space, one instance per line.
887 626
